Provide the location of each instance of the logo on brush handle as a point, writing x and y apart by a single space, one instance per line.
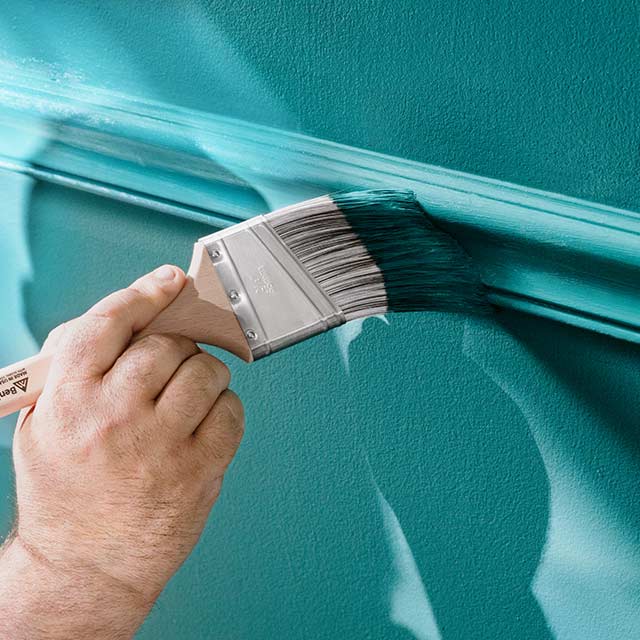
15 382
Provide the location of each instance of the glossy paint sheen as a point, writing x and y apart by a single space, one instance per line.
416 476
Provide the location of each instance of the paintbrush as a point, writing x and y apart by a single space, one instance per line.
277 279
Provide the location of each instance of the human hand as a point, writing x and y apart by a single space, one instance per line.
121 459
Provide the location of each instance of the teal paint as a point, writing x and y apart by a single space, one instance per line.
16 269
585 525
471 478
7 490
539 252
444 493
544 94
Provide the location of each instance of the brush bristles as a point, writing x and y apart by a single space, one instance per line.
377 251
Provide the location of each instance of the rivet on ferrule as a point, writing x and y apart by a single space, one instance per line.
251 334
234 296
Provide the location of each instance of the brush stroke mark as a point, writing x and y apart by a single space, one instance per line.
347 333
587 579
232 84
232 81
408 601
409 604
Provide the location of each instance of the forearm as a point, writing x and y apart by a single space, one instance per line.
39 600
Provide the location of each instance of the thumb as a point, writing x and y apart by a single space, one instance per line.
93 342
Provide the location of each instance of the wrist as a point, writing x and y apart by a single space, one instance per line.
40 599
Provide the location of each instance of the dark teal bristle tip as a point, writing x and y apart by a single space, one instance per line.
423 267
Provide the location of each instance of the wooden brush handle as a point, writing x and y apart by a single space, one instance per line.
21 383
201 312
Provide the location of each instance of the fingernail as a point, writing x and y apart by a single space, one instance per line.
165 273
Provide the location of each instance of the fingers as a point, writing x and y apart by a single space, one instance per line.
218 436
92 343
145 368
191 393
24 416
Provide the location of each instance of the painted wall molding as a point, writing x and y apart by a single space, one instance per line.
540 252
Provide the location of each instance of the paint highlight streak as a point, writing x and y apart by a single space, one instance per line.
588 576
347 333
409 604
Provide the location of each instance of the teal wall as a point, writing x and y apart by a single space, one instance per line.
423 476
545 93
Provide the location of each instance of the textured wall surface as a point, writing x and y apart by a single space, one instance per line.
545 94
429 477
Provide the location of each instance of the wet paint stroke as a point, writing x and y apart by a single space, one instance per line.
589 572
346 334
574 261
409 604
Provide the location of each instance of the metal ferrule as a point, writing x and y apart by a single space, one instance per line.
274 298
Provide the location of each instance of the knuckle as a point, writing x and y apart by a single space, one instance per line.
91 326
219 369
145 292
114 308
156 344
135 294
223 432
223 373
108 424
79 342
56 332
138 366
128 295
145 353
233 406
210 372
200 371
182 344
228 424
219 449
55 337
111 307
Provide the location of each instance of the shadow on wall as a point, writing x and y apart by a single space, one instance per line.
602 373
299 546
